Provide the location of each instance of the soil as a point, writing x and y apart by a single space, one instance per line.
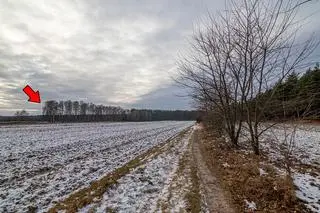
215 196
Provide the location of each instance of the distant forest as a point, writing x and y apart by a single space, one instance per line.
75 111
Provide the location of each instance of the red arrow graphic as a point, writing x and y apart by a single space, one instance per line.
33 96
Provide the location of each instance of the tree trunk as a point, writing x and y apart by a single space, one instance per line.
255 145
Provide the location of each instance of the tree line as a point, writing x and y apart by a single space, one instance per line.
69 107
298 96
75 111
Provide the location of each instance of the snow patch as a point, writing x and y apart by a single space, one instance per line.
250 205
262 172
308 190
225 165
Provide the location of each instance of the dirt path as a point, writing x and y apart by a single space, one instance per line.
214 196
172 177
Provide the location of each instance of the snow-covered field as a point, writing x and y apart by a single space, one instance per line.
306 151
306 145
141 189
40 164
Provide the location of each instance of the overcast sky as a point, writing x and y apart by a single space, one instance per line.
107 52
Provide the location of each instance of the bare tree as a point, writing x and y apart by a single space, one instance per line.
21 113
83 108
60 108
266 42
91 108
68 107
283 135
241 54
51 109
99 109
76 107
206 73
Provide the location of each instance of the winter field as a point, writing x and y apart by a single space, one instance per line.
305 151
43 164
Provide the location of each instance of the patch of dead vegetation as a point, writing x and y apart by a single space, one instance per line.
193 197
95 191
240 173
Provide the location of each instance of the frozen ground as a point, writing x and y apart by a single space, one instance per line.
306 151
140 190
307 142
308 189
41 164
164 182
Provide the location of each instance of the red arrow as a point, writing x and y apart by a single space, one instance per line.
33 96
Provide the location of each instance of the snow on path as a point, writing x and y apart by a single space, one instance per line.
140 190
176 196
40 164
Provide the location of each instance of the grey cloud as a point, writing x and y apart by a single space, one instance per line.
119 52
169 97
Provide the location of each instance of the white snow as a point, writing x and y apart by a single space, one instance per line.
140 190
307 142
225 165
250 205
40 164
307 150
262 172
308 190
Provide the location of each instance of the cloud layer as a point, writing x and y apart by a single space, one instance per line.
110 52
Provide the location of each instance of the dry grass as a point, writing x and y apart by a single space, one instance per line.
97 188
193 197
241 177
